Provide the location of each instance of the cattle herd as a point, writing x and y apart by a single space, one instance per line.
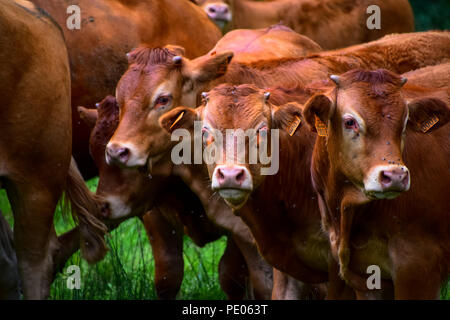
349 199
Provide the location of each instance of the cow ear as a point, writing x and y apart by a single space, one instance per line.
89 116
178 50
428 114
180 117
287 117
208 67
317 111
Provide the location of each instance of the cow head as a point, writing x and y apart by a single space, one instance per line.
219 11
235 119
364 118
156 81
125 190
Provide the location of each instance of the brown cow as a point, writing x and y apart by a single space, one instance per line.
282 210
110 29
331 23
35 145
163 79
174 209
380 139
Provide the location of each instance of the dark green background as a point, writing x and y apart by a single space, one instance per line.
431 14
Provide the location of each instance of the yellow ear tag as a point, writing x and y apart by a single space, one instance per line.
178 119
294 125
428 124
321 127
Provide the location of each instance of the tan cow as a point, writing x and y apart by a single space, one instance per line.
35 146
111 28
331 23
381 169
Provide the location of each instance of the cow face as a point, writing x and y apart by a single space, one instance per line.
219 11
125 190
366 119
156 81
238 125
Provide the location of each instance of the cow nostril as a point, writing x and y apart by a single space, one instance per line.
225 10
220 174
212 9
385 179
123 153
240 176
405 179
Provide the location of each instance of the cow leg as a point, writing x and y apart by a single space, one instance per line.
34 206
417 272
287 288
167 246
259 270
337 288
233 272
9 272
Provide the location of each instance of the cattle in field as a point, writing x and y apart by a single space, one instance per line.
35 146
166 207
381 170
261 200
109 30
331 23
9 272
273 42
164 79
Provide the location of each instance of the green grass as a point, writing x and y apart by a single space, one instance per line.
127 272
128 269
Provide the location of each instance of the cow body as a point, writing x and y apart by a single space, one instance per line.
110 29
35 146
367 210
274 42
331 23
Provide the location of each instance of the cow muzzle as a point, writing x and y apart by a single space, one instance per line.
123 154
233 183
220 13
387 182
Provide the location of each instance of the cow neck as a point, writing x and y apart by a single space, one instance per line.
291 187
285 206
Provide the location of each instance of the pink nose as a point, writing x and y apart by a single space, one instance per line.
118 154
218 11
394 180
230 177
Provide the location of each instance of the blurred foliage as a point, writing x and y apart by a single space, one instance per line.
431 14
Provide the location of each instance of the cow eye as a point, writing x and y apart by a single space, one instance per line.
207 137
351 124
162 101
